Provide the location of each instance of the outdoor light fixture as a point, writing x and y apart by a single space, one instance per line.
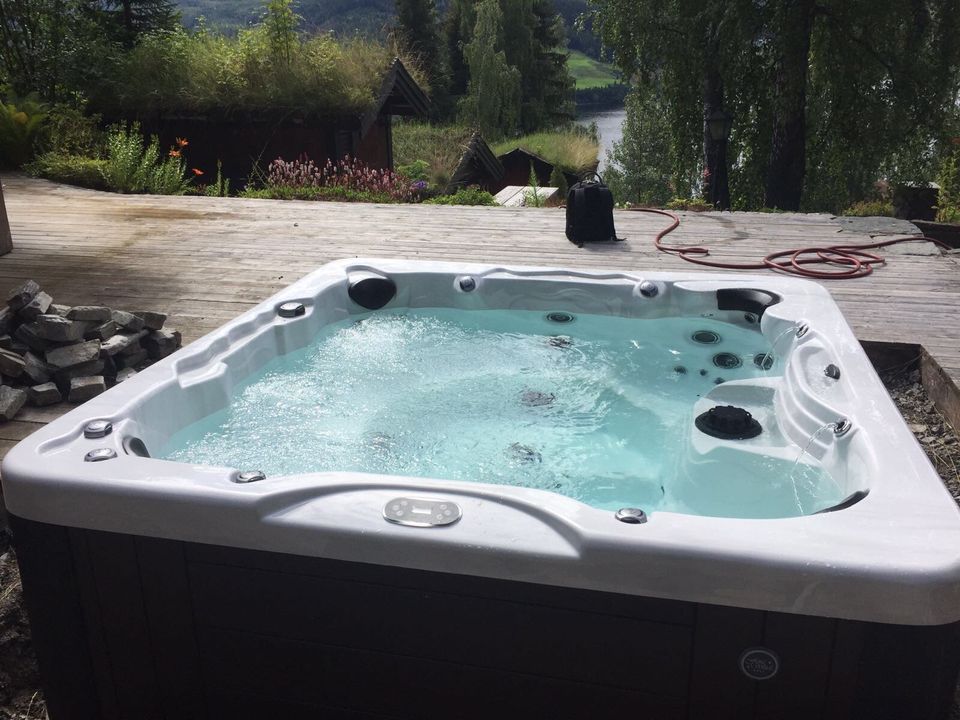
719 123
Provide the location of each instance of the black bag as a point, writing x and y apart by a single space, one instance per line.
590 212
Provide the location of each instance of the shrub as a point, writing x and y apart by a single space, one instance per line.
417 170
20 122
67 130
440 146
349 174
531 196
131 168
464 196
313 192
692 204
559 181
71 169
948 199
219 187
870 208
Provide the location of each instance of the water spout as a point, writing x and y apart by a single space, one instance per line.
840 428
767 359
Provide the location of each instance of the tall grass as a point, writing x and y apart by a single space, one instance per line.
440 146
571 151
252 73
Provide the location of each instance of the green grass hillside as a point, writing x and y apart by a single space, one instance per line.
590 73
345 17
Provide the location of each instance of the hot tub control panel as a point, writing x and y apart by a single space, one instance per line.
421 512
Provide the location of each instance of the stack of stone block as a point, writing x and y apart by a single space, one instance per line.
50 352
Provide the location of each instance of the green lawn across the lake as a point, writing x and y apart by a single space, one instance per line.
590 73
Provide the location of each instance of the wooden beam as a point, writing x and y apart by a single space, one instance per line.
6 240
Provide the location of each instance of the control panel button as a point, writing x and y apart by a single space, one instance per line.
421 512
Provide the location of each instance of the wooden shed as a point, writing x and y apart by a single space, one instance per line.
516 167
478 167
243 142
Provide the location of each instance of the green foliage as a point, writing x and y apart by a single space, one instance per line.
280 24
440 146
126 20
20 122
58 48
531 196
572 150
62 167
589 73
464 196
418 31
691 204
509 58
267 69
841 92
313 192
492 104
559 181
68 130
133 168
219 187
642 167
869 208
948 178
345 18
417 170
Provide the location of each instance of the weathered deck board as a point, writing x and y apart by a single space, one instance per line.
205 260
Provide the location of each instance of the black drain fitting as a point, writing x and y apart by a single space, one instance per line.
728 422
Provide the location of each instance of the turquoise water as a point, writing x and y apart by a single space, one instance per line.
598 409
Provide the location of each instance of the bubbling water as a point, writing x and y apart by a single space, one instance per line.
599 413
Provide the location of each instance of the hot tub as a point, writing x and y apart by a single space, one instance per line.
425 490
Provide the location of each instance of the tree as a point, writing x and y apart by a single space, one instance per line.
828 95
492 104
125 20
458 26
533 43
46 46
640 166
418 30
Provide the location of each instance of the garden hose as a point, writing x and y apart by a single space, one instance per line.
850 261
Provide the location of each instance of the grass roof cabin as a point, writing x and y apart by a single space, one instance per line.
573 153
243 102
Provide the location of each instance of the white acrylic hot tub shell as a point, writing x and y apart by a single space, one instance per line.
894 557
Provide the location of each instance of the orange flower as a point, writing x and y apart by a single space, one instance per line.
182 142
197 172
174 152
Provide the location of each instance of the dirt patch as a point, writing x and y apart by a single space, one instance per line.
21 699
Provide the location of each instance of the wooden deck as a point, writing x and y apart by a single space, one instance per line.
205 260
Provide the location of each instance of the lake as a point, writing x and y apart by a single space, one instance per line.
610 125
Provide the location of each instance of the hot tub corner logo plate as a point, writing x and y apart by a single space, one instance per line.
421 512
759 663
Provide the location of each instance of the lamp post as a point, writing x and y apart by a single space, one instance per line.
719 124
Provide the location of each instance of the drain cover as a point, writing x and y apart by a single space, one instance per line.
705 337
727 361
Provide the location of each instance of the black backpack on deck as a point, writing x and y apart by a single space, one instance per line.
590 212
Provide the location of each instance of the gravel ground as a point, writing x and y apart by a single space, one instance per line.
20 698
